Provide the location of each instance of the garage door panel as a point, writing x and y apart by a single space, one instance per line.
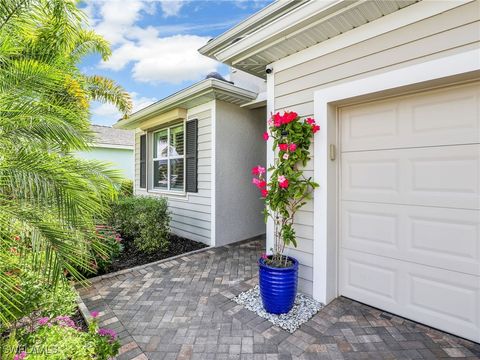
372 227
433 176
443 299
439 298
365 280
442 117
437 237
409 207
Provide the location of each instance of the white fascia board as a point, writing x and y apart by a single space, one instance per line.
280 25
261 16
326 100
113 146
201 88
406 16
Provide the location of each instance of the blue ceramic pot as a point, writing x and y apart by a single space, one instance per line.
278 286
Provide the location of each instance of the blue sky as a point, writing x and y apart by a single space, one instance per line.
154 44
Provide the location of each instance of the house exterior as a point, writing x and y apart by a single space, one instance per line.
114 146
395 86
196 148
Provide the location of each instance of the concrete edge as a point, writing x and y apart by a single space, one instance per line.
139 267
83 309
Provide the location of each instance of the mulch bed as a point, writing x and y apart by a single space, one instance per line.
131 257
79 321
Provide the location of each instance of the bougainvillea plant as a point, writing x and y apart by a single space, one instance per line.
287 188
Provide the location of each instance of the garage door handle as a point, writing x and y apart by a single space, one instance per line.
332 152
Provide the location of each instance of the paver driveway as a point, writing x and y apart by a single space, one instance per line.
181 309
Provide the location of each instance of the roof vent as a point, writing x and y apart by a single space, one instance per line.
216 75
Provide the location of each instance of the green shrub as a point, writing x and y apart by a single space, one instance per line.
41 299
144 219
105 247
9 346
59 339
126 188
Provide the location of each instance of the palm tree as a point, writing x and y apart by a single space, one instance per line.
49 199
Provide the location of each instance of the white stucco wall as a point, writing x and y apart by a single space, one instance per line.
239 147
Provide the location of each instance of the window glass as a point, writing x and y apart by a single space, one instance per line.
176 141
160 174
168 158
160 141
176 174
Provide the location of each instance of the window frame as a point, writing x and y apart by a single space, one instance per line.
167 190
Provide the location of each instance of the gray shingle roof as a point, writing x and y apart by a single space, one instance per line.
107 135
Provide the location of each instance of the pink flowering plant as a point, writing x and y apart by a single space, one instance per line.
60 338
287 189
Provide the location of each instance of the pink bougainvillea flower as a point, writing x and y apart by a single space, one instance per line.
285 156
94 314
283 184
264 256
292 147
277 120
282 181
288 117
264 192
43 320
261 184
315 128
107 332
20 356
283 147
270 122
65 321
310 121
255 181
265 136
258 170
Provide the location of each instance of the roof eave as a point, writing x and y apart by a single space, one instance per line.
204 87
277 29
267 14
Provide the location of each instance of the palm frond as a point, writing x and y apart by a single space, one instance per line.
106 90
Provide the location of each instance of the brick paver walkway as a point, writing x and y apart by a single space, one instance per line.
181 309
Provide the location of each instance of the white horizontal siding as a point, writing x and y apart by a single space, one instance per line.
191 214
450 32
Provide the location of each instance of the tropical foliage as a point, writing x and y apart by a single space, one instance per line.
287 189
50 200
145 220
59 338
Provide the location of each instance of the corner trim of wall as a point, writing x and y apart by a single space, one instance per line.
270 153
213 209
326 101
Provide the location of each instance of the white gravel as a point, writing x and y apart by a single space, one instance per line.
303 309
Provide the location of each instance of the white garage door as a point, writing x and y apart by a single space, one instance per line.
410 207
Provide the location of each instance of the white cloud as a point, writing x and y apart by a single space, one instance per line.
154 57
108 114
171 59
171 7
